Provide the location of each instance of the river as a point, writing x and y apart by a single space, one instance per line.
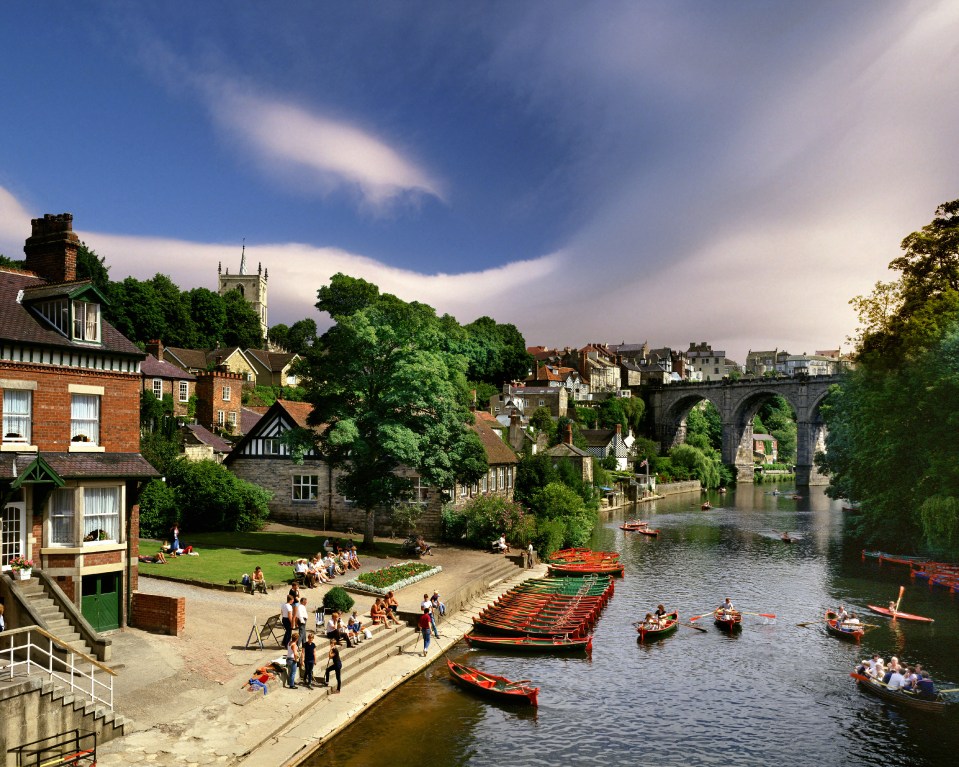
775 693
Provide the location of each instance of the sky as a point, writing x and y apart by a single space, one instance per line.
671 172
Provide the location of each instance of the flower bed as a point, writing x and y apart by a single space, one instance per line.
392 578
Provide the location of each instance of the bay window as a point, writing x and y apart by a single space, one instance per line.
101 514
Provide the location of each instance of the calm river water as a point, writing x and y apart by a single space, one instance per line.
776 693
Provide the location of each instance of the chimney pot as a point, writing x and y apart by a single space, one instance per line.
51 250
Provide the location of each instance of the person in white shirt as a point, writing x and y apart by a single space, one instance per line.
896 680
286 616
302 615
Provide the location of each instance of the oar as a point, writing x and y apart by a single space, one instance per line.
809 623
698 628
951 689
761 615
697 617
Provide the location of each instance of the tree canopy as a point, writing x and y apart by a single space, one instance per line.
390 395
892 436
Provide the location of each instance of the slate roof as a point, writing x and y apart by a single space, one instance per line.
272 361
598 437
207 437
188 359
18 323
81 465
151 367
250 417
565 450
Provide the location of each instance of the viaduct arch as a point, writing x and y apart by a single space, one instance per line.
737 403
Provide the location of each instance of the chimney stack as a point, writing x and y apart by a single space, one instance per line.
155 347
52 248
568 437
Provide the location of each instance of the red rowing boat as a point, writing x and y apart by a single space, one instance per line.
498 687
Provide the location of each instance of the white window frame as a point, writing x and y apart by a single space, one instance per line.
271 446
420 492
85 425
86 321
63 534
305 488
100 519
220 417
158 388
16 418
227 393
184 391
231 417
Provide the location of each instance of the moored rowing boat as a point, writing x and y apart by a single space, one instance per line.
530 644
497 687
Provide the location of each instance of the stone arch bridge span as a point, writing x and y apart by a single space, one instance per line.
737 403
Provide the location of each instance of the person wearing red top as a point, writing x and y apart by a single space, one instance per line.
424 625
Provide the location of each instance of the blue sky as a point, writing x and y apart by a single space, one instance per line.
666 171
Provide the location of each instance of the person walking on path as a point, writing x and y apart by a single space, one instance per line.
335 666
309 660
427 606
293 659
302 616
287 616
424 624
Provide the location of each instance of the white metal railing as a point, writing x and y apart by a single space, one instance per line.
32 650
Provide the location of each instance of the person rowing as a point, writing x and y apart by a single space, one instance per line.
660 614
841 615
851 622
727 606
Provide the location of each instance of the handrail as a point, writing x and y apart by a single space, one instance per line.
62 670
62 644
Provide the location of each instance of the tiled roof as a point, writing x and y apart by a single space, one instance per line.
598 437
207 437
81 465
497 451
20 324
272 361
565 450
482 415
299 411
188 359
151 367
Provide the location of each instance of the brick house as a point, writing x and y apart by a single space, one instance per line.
164 379
502 460
219 400
603 442
70 467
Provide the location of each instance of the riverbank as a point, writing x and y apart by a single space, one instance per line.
184 695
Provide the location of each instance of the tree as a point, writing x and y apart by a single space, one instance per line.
242 327
390 396
90 266
704 419
533 473
611 414
208 310
210 498
695 463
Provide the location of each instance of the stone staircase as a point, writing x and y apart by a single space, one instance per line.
108 724
52 617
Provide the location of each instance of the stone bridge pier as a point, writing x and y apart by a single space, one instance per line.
737 403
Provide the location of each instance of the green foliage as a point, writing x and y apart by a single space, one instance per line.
296 339
158 510
483 519
211 498
634 408
208 311
779 421
550 536
9 262
704 419
391 394
611 414
892 425
533 473
695 464
242 326
543 421
645 448
484 393
495 352
588 416
556 501
265 396
338 599
91 267
609 462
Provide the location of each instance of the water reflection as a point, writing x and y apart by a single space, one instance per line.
776 692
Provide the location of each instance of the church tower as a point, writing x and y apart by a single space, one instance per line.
251 286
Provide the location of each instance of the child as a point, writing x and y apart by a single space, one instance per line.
354 627
309 660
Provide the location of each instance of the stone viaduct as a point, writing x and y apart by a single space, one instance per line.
737 403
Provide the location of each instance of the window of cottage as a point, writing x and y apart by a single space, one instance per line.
86 321
158 388
184 391
219 417
306 487
271 446
232 417
227 392
17 415
85 418
101 514
62 514
420 492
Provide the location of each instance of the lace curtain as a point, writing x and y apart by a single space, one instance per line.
85 417
101 512
61 516
16 415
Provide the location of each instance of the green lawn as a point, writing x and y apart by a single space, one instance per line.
227 556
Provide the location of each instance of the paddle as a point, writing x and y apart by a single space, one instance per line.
698 628
762 615
808 623
896 610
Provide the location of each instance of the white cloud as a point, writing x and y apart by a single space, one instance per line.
328 153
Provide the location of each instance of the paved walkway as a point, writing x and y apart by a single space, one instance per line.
184 697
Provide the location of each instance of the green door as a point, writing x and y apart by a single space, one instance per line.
100 600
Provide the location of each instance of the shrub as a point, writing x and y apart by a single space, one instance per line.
157 509
337 599
210 498
550 534
482 519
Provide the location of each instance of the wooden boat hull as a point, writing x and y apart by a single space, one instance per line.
556 644
728 622
647 531
833 629
490 686
904 699
563 570
900 615
670 626
633 528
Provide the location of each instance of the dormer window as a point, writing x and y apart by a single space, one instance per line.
86 321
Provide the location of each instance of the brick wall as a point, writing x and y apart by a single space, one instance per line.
134 536
162 615
171 388
209 396
92 559
119 406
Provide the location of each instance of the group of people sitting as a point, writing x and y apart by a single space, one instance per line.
895 676
847 621
322 568
384 610
656 620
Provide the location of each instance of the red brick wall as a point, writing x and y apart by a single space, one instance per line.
164 615
102 558
172 388
209 397
119 406
68 586
134 537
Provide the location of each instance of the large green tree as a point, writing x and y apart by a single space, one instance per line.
892 442
390 396
242 326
